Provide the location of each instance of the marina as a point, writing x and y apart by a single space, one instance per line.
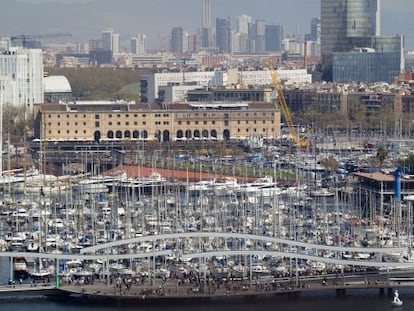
155 230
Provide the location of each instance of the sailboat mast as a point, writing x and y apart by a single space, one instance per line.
1 132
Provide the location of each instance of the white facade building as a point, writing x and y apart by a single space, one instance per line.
139 44
115 44
243 22
176 93
107 39
150 83
21 73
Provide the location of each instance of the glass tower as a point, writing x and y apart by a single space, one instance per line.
343 24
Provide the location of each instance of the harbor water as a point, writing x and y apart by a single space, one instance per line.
361 300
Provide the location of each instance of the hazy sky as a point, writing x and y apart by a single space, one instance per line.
86 18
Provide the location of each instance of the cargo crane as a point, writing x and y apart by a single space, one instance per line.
283 105
26 39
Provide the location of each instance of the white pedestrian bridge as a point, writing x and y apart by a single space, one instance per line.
259 246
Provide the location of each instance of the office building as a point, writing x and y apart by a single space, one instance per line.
273 38
139 44
350 24
366 65
177 35
107 39
223 35
315 34
243 22
206 29
115 44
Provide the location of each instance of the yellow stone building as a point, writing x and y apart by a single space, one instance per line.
122 121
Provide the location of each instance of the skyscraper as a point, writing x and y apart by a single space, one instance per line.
315 34
139 44
107 39
115 44
273 38
243 22
350 24
206 14
223 35
177 40
206 33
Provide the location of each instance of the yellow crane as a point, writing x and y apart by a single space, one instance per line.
283 105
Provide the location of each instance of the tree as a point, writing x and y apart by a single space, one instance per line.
15 124
381 154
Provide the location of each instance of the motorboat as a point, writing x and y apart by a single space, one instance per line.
396 302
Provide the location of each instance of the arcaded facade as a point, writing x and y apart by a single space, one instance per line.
109 121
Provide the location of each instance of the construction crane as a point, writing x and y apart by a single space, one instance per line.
283 105
25 39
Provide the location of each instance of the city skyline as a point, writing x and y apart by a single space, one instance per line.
85 19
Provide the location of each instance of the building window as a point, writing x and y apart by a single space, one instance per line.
97 117
126 123
109 123
58 124
110 116
97 124
118 123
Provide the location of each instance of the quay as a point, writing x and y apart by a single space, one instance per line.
28 290
171 291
